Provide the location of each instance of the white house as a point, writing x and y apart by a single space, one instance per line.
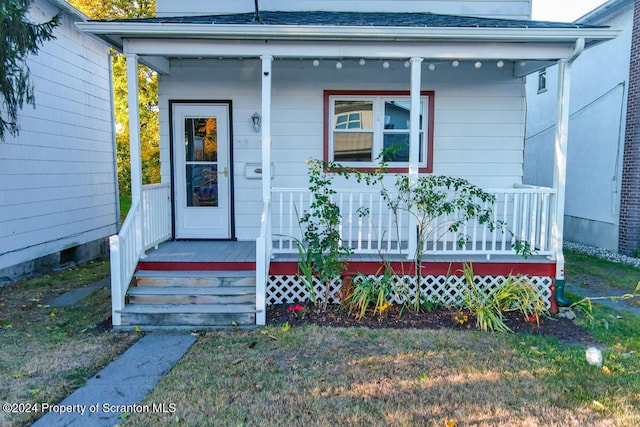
597 121
58 191
247 96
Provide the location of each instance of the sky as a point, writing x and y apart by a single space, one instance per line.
562 10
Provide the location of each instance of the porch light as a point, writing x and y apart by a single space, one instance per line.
407 64
455 63
316 62
256 120
362 61
431 67
339 65
385 64
500 64
478 64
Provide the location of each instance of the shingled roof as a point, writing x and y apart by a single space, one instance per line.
357 19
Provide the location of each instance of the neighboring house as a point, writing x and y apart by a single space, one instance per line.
600 87
246 97
58 183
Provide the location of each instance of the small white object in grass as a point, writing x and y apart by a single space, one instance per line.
594 356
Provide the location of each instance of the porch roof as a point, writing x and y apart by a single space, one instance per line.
302 32
355 19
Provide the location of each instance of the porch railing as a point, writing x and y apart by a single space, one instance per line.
147 224
156 208
369 226
263 261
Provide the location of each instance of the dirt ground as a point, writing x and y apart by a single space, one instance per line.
564 329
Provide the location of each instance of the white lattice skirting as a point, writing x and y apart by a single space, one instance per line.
447 290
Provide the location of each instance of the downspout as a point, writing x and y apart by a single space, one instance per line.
560 169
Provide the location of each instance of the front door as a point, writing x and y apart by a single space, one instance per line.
202 176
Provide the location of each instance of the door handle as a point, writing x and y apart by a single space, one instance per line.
225 172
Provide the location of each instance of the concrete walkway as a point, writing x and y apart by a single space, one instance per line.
592 292
120 386
74 296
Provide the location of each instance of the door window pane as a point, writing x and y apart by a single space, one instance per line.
201 139
202 185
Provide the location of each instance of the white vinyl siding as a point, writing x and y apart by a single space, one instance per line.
513 9
57 178
478 129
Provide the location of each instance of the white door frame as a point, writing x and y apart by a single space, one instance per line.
196 221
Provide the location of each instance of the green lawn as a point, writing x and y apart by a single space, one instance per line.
584 269
49 352
125 205
316 376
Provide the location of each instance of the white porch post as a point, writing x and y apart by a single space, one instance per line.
134 140
560 175
266 127
414 146
264 243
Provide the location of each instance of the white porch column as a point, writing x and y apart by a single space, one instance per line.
266 127
264 241
414 146
134 127
134 143
560 173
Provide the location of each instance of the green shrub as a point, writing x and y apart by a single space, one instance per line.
488 305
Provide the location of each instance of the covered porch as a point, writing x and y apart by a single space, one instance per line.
515 49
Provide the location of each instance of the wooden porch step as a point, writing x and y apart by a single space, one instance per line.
195 278
192 295
196 315
191 299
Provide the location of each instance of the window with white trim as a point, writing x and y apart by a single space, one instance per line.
542 81
360 125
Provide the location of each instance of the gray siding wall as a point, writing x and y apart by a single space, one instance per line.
57 178
599 86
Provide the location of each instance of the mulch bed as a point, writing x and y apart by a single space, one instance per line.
565 330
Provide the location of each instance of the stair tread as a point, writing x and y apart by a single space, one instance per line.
189 308
192 290
193 274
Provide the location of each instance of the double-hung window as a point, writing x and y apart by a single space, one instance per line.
360 125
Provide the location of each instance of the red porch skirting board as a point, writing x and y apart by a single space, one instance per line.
440 269
196 266
434 268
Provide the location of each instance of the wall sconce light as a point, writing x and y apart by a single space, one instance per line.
256 120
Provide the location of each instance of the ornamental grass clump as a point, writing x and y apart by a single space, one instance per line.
376 293
489 305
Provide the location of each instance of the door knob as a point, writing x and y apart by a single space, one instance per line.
225 172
